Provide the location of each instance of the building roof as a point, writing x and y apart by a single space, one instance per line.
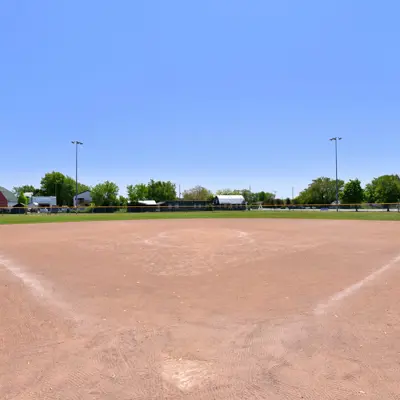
148 202
8 195
86 191
42 198
230 199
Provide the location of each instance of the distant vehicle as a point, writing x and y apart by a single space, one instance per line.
43 210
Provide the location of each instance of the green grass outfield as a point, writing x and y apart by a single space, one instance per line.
43 218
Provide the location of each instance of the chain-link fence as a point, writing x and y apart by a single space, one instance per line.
193 206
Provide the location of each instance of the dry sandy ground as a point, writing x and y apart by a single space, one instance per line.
200 309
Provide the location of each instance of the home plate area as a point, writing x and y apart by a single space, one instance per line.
200 309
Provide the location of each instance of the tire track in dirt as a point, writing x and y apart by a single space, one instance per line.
106 363
109 365
259 350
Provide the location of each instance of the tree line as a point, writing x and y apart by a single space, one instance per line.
384 189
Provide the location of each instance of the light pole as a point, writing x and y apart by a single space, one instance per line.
76 143
336 139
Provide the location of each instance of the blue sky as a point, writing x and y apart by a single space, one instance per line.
222 93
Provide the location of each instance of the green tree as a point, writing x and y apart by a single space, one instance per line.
352 193
66 191
223 192
384 190
105 194
198 193
50 181
123 201
265 197
22 199
249 196
53 184
69 188
369 193
17 190
161 191
137 192
62 186
320 191
260 196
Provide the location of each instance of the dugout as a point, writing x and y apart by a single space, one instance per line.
105 209
185 205
19 208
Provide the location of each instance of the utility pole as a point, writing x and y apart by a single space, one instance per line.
76 143
336 139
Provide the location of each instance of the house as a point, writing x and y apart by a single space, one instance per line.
83 199
7 198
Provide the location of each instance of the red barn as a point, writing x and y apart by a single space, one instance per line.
6 197
3 200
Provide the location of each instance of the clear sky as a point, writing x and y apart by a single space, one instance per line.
222 93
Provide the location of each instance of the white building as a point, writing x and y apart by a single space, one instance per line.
83 199
42 201
233 199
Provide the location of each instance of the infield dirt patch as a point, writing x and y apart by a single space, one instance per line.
200 309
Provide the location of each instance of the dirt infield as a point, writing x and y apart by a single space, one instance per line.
200 309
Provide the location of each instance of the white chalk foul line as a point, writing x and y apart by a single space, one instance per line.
38 288
322 308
